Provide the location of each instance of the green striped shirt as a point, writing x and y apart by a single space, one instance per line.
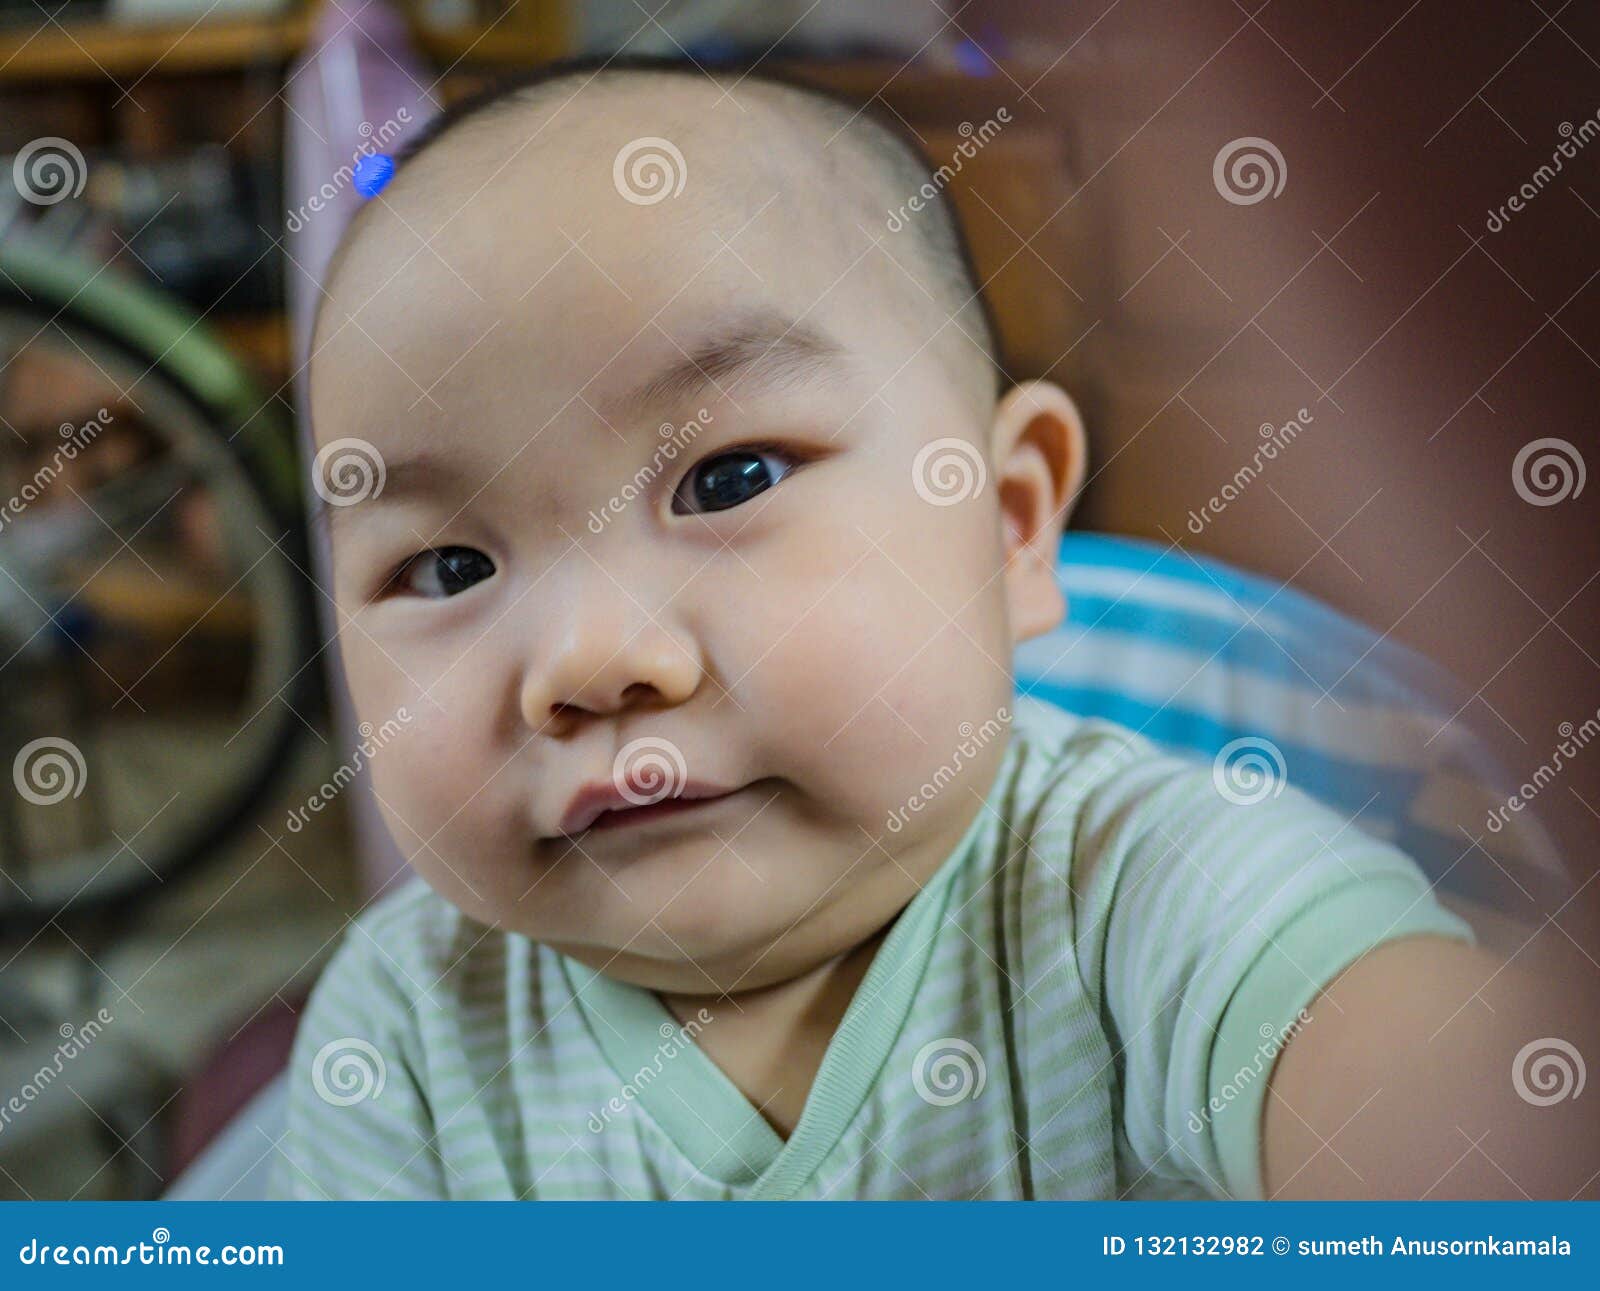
1084 1001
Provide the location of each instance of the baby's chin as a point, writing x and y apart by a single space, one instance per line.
697 913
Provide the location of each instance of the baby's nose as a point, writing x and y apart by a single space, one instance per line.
606 662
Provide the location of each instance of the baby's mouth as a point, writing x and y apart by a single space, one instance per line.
604 807
627 816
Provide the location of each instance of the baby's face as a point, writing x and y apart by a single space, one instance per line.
653 505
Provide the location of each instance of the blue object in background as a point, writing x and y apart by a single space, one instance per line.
972 58
373 173
1201 657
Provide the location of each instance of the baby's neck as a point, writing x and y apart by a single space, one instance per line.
770 1042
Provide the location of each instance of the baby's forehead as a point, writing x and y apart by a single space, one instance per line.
550 236
557 233
646 159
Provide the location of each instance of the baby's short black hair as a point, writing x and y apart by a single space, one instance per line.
897 156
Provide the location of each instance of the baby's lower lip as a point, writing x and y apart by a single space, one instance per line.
654 811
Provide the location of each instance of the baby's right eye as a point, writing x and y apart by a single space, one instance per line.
442 571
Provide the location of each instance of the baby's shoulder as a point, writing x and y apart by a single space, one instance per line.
411 944
1075 761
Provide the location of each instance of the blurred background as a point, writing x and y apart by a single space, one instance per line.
1202 217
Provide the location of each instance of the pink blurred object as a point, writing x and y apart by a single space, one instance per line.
359 88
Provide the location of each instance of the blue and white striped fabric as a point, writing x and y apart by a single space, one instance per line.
1216 664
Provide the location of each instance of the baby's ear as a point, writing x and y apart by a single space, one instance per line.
1040 453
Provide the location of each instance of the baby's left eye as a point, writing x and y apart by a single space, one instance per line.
442 572
731 478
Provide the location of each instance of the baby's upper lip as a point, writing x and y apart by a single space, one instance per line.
587 804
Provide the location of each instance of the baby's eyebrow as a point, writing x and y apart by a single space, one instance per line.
402 477
764 348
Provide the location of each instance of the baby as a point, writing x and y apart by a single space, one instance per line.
741 870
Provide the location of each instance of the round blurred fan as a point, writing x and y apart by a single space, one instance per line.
155 625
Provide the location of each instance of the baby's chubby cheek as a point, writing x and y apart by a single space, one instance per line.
865 678
432 783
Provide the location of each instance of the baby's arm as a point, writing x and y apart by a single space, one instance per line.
1411 1081
1206 928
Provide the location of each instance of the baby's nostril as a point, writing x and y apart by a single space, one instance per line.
638 690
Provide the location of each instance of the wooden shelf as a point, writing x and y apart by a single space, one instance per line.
90 50
86 51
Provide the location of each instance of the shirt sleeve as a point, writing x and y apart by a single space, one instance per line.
359 1124
1211 913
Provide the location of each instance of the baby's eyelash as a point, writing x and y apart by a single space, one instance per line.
802 454
753 446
